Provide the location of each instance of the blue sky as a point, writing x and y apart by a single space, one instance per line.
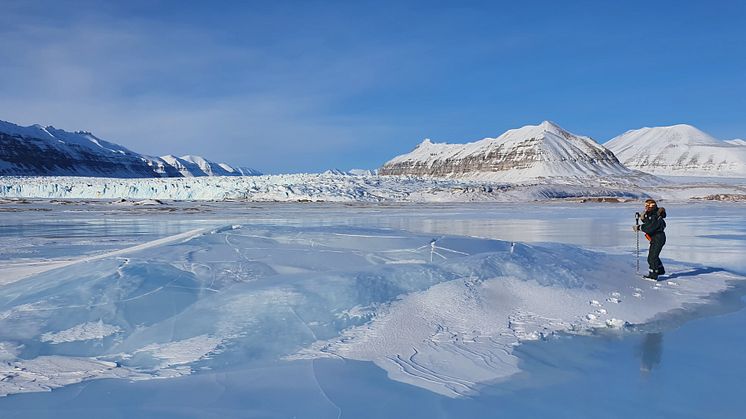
307 86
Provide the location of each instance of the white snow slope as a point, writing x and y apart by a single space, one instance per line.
528 153
679 150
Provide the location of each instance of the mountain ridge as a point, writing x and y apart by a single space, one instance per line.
527 153
38 150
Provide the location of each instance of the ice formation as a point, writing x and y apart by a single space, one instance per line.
442 313
312 187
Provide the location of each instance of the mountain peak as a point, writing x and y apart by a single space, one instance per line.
550 126
683 129
678 150
679 134
536 131
530 152
426 142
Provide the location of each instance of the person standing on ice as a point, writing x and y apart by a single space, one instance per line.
653 225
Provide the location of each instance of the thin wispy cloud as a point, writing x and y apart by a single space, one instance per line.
175 89
304 86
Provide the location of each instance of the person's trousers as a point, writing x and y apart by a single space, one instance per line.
656 245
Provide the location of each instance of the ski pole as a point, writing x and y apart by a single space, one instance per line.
637 232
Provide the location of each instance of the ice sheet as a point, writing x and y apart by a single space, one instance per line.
444 313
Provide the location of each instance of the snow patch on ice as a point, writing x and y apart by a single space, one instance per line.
45 373
183 351
84 331
615 323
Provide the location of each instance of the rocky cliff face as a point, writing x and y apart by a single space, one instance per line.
530 152
47 151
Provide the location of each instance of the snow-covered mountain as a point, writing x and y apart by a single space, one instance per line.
240 170
48 151
333 172
528 153
736 141
679 150
351 172
362 172
190 165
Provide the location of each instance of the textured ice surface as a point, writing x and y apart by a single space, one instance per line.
330 187
314 187
444 313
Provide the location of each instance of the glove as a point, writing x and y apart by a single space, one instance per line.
635 228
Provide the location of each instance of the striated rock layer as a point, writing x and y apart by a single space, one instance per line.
528 153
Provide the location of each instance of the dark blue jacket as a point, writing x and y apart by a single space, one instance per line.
653 221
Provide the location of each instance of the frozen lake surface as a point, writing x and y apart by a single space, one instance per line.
322 310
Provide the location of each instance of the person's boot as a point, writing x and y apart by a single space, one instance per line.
661 270
652 275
